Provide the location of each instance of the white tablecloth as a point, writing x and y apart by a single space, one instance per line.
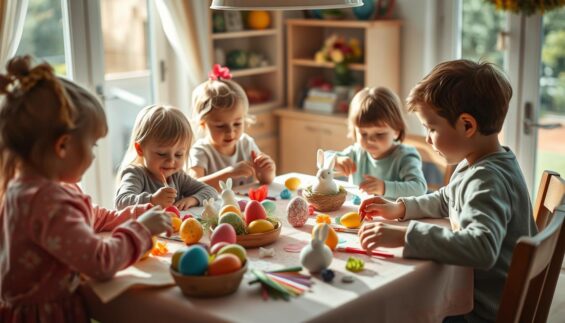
388 290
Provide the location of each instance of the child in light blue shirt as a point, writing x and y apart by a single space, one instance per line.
378 161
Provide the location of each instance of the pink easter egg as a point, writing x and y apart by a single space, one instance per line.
297 211
173 209
242 204
219 245
254 211
223 233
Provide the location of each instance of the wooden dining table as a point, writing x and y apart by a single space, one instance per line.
387 290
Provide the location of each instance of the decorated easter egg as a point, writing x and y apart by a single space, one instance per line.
191 231
219 245
331 240
235 221
292 183
285 194
224 264
269 206
242 204
260 226
223 233
234 249
173 209
230 208
254 211
175 259
350 220
194 261
176 223
297 211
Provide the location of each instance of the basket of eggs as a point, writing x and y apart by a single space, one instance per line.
217 272
255 227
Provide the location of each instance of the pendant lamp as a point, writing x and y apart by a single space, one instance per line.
284 4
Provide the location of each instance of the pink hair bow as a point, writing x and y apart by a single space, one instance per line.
219 73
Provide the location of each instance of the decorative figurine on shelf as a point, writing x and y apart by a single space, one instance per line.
326 183
317 256
228 196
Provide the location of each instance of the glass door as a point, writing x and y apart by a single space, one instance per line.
532 52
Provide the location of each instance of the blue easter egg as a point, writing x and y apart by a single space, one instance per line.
285 194
269 206
194 261
356 200
366 11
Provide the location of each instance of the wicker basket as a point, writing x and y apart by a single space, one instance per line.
209 286
325 202
256 240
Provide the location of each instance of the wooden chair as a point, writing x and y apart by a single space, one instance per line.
550 195
434 166
536 261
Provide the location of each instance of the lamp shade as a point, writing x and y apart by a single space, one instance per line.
284 4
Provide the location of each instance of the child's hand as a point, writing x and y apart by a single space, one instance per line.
382 207
372 185
164 197
243 169
264 167
186 203
345 165
156 221
378 234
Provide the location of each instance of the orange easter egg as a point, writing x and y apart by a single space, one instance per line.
176 222
191 231
230 208
224 264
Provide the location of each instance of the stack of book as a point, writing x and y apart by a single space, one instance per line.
322 101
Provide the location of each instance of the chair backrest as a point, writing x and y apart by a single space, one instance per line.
550 195
436 170
532 276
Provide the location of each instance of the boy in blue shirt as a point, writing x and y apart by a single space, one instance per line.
462 105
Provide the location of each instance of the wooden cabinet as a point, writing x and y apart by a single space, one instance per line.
302 133
263 80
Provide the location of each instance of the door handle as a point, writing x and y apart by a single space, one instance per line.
529 123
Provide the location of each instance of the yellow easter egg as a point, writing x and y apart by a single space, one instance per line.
176 257
176 222
191 231
258 19
230 208
292 183
350 220
259 226
331 240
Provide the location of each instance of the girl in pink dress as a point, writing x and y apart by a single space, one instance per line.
48 129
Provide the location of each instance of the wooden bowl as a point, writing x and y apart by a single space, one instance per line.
256 240
209 286
325 202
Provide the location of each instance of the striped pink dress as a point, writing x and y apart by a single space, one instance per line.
48 239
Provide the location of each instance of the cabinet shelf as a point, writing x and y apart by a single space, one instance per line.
253 71
312 63
364 24
244 33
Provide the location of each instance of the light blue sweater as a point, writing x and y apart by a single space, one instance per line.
401 170
489 208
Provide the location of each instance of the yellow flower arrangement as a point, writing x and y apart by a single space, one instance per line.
338 50
527 7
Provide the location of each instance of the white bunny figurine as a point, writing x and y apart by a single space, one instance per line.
326 184
228 196
317 256
210 214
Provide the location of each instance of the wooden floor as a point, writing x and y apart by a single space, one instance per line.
557 311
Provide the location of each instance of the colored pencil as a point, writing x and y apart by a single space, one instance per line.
364 252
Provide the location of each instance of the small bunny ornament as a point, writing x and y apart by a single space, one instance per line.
228 196
317 256
326 184
210 214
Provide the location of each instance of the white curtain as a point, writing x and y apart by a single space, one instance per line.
12 18
180 20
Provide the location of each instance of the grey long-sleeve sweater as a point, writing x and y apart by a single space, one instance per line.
137 186
489 208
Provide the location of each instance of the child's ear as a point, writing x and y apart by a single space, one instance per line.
138 149
469 124
62 146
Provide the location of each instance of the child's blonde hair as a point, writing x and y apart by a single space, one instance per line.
376 107
166 125
39 107
218 94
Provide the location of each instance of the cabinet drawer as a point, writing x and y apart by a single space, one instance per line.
268 145
266 124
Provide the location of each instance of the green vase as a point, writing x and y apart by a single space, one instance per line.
342 74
